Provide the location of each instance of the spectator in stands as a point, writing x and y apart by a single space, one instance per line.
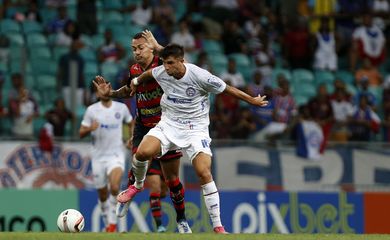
363 91
339 86
325 45
32 14
284 114
163 10
59 116
233 39
257 85
295 42
184 38
59 22
3 109
22 108
204 62
380 9
369 72
368 42
4 49
86 16
232 75
341 107
163 31
363 121
70 34
110 51
142 13
71 65
244 125
321 111
226 109
264 115
264 60
386 108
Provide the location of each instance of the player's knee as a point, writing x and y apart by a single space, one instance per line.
143 155
205 176
114 190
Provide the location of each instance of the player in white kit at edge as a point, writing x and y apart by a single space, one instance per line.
104 121
184 122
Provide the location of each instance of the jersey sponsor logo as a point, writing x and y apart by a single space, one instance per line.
179 100
151 111
109 126
117 115
147 96
190 91
213 81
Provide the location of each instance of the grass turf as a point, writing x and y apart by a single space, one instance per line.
174 236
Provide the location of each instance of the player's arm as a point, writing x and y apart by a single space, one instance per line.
143 78
130 125
235 92
85 130
104 88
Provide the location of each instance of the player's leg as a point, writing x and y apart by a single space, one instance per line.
149 147
114 178
170 169
154 183
100 182
103 204
202 166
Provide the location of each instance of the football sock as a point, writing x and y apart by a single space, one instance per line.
130 178
211 199
111 216
139 170
155 206
104 211
177 196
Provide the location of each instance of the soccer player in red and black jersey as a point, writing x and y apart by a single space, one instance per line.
148 98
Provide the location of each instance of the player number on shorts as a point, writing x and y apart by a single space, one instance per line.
205 143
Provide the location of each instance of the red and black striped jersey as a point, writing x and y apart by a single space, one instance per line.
148 95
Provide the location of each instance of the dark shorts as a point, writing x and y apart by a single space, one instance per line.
155 167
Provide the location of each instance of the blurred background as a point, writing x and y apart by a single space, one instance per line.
321 63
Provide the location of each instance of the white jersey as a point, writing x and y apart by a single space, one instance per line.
107 138
185 101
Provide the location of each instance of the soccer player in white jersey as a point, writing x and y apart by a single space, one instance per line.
104 121
184 122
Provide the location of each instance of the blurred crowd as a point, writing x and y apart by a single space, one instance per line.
328 56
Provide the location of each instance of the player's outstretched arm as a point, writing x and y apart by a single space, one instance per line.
257 101
144 77
104 88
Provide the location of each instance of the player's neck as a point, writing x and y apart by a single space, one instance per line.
106 103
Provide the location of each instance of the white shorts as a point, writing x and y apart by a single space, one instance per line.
192 141
103 165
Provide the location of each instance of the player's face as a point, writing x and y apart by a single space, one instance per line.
141 51
174 66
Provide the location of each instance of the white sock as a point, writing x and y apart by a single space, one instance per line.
139 170
111 216
104 211
211 199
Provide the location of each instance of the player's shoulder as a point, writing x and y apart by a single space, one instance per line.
119 104
93 107
196 70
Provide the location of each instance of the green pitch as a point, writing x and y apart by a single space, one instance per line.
174 236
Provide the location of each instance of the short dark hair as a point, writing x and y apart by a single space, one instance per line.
138 35
173 50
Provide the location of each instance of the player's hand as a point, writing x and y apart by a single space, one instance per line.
260 101
129 144
102 87
133 88
152 42
94 125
